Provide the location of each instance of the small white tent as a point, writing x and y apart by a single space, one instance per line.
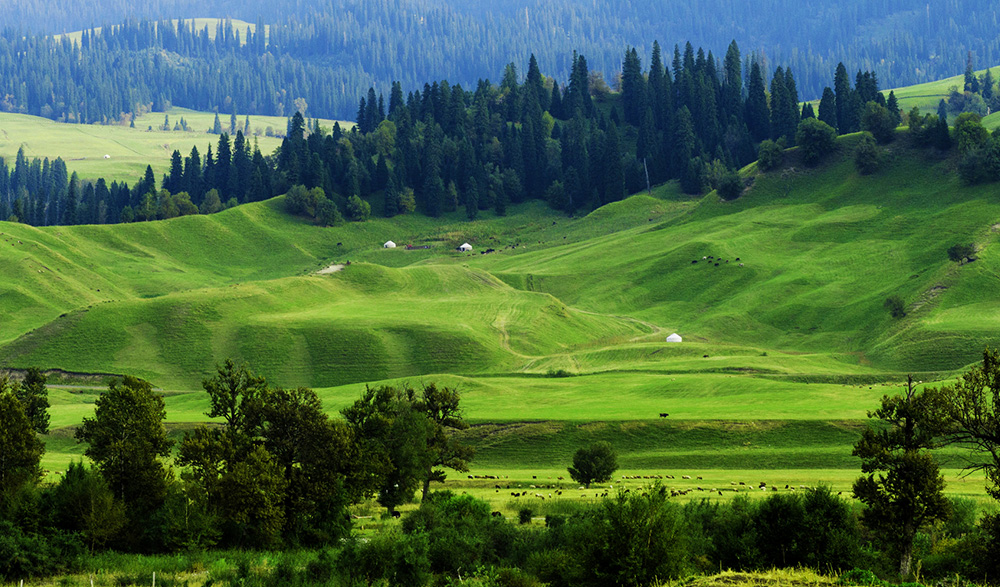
389 245
674 338
465 247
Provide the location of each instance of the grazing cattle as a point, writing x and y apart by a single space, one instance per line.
496 514
685 476
716 264
340 244
741 264
694 262
395 514
664 414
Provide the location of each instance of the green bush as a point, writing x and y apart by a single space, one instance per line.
815 138
770 155
461 532
895 306
867 155
524 515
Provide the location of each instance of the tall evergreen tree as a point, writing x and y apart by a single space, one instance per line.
757 115
842 89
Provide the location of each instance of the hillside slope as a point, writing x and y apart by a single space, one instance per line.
820 248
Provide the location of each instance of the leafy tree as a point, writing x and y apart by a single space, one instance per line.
393 438
867 155
20 450
34 397
730 185
879 122
816 138
358 210
212 203
962 252
769 155
969 132
974 413
594 464
126 440
82 502
896 306
901 483
440 405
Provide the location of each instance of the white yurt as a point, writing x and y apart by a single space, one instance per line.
465 247
389 245
674 338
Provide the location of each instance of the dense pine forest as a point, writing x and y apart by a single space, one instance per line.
577 145
330 52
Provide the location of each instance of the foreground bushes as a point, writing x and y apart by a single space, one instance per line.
633 538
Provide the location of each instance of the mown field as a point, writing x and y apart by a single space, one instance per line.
557 337
83 146
927 96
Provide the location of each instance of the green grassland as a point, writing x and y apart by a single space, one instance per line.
557 338
83 146
927 96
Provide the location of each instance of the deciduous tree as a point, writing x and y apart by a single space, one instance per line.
901 483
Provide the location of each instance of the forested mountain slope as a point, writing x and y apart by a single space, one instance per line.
356 44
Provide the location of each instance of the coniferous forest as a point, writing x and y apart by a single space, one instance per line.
330 52
687 115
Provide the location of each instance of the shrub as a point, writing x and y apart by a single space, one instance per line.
730 185
816 138
867 155
770 155
877 120
358 210
895 306
961 252
460 531
524 515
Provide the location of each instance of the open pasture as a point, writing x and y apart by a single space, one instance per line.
83 146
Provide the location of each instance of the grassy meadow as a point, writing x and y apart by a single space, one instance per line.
557 338
83 146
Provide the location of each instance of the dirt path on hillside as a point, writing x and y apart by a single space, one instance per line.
331 269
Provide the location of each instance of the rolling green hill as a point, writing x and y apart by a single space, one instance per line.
564 322
805 260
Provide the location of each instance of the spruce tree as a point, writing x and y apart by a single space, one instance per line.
828 107
842 89
757 115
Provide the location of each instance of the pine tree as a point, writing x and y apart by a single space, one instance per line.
892 104
633 88
391 198
732 84
828 107
471 199
757 115
614 170
842 89
175 181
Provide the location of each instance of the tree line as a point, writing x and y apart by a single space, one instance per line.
42 193
275 471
